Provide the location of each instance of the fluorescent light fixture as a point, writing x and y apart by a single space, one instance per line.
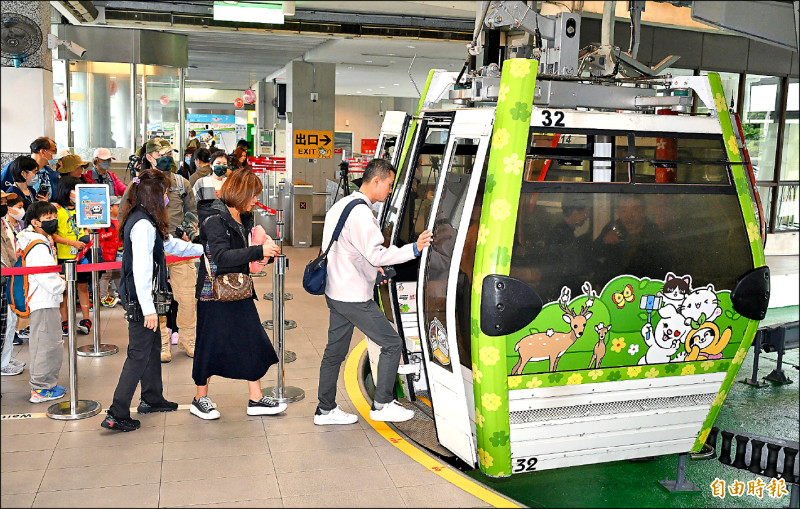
249 12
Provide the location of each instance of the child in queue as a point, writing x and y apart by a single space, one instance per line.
45 292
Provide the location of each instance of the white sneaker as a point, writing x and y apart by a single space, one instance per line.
11 370
392 412
335 416
204 408
17 362
408 369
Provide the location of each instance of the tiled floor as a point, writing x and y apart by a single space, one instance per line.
177 459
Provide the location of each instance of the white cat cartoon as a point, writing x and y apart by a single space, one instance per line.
702 301
675 289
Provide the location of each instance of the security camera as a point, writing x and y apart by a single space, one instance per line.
75 48
314 97
53 42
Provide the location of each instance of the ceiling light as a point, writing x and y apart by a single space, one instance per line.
368 61
396 84
369 90
391 61
381 86
248 12
113 77
411 47
349 66
358 91
390 54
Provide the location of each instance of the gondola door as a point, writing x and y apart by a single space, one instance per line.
442 279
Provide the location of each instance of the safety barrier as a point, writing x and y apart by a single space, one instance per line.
97 349
281 392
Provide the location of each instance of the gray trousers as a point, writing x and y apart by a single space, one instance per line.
370 320
46 348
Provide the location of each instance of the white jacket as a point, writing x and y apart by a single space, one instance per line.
354 259
44 290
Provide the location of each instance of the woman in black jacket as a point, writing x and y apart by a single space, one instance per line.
231 341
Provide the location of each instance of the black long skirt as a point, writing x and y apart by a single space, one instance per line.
231 342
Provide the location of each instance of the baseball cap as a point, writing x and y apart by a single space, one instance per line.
114 200
71 161
158 144
9 196
103 153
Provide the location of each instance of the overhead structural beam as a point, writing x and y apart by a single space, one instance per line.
770 22
76 11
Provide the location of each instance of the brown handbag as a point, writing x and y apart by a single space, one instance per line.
230 287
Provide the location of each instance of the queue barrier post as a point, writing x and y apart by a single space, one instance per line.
288 356
281 392
97 349
74 408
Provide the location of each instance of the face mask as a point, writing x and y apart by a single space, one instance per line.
33 181
16 213
188 160
104 165
220 170
50 226
3 210
166 200
164 163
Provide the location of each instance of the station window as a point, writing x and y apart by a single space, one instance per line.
760 121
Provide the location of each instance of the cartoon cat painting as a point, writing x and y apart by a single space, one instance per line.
675 289
702 301
667 337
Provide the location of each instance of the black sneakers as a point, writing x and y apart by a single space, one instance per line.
165 406
120 423
84 326
265 406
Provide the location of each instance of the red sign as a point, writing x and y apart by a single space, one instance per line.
238 103
369 146
337 151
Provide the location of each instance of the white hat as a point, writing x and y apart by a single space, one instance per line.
103 153
62 152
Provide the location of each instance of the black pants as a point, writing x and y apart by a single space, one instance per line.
143 363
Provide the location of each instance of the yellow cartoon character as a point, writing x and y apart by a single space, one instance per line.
706 342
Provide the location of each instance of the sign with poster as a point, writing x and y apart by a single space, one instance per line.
92 204
369 146
267 142
313 144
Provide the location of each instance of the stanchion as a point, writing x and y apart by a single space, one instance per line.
74 408
286 296
287 324
280 392
97 349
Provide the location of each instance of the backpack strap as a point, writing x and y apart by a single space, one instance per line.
342 219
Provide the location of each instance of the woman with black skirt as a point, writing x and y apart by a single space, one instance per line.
143 229
231 342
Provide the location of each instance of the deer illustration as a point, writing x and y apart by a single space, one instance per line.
600 346
551 345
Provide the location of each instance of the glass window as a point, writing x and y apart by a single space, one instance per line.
163 107
388 147
790 162
787 212
765 193
554 157
100 104
567 238
760 122
449 214
698 161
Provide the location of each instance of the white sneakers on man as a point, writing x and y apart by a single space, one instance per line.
335 416
391 412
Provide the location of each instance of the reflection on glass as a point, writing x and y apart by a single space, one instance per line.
641 235
790 161
788 218
760 122
707 157
765 193
163 104
730 87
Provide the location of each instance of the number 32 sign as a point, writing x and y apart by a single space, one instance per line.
524 465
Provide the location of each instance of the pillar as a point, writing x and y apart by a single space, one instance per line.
27 91
303 78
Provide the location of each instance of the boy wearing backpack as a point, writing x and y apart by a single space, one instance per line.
46 347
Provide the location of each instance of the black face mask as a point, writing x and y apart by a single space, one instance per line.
164 163
50 226
3 210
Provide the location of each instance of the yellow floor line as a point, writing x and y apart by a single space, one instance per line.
13 417
447 473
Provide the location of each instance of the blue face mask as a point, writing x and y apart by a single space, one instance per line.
52 162
34 181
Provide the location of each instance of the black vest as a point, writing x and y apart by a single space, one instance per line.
127 285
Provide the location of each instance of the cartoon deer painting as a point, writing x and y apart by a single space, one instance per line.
551 345
600 346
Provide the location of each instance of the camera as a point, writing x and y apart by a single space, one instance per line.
162 300
75 48
44 189
314 97
188 226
